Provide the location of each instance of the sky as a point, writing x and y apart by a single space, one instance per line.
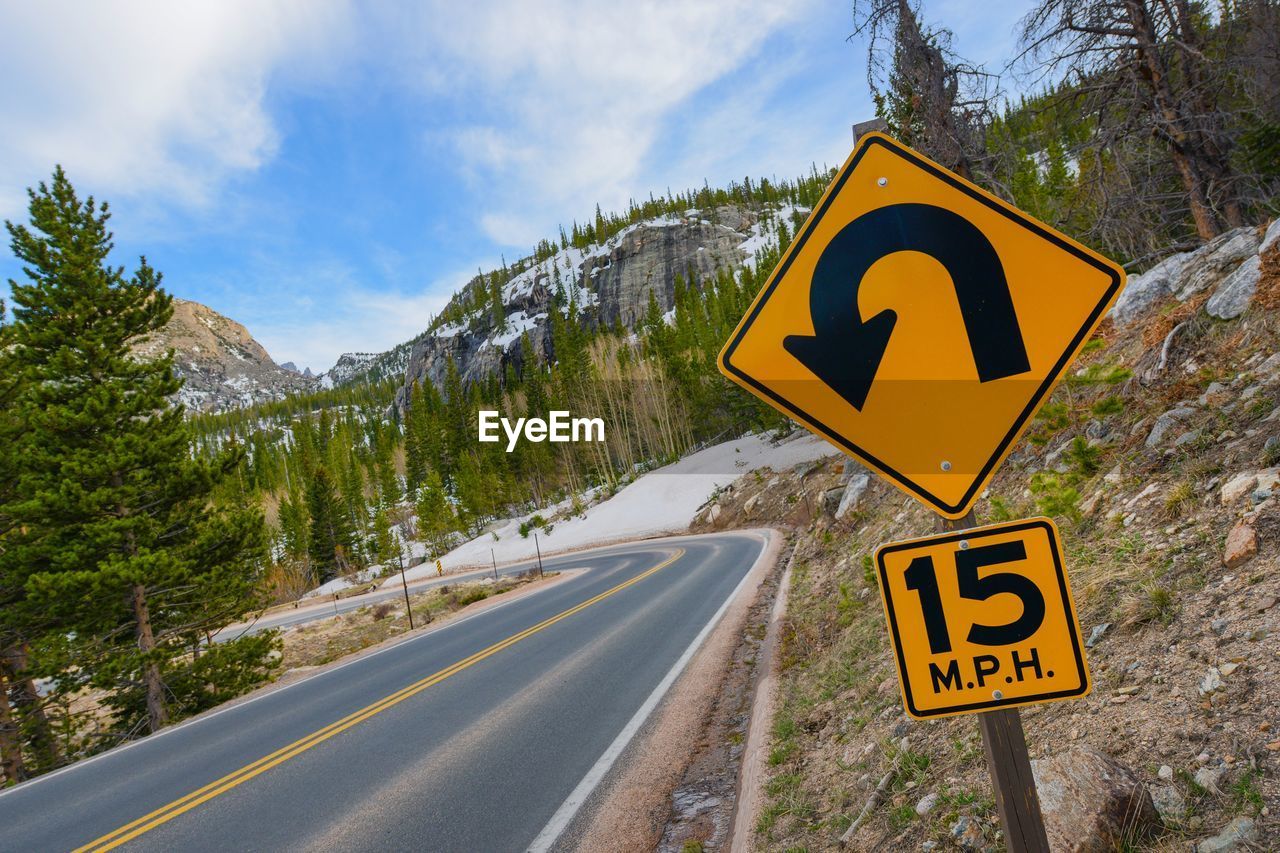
329 173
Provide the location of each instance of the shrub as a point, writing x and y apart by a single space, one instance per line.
1083 457
1055 496
1109 405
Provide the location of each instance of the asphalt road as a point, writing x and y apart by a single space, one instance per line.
470 737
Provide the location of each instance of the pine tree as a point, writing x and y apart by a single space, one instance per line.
330 538
385 546
436 519
122 545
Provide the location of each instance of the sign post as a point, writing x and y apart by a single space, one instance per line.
405 584
918 323
1009 764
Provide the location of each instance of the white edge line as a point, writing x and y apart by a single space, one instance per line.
578 796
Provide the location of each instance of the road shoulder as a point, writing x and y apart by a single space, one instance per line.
686 752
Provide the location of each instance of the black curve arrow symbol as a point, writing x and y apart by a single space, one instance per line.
845 351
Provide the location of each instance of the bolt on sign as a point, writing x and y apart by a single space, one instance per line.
918 322
982 619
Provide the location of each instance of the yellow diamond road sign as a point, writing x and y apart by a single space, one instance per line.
918 322
982 619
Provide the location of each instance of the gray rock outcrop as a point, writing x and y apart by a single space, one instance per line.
1183 275
1236 290
611 284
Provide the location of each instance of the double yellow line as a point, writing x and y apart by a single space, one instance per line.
166 813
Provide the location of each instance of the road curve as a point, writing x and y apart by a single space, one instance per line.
470 737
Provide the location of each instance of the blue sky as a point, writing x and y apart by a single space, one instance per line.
329 174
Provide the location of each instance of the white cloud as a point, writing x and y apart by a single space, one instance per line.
567 98
311 313
148 97
371 321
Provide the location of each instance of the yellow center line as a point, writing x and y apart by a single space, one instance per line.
168 812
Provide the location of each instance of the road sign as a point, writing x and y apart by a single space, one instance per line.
918 322
982 619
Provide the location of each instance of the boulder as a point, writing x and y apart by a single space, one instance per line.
1268 479
1142 292
927 804
1241 547
853 493
1170 803
1091 802
1271 238
967 834
1236 291
1237 835
1167 422
1213 259
1237 487
831 499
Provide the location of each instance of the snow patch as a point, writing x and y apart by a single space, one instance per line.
662 501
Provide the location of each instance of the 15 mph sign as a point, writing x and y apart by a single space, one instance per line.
918 322
981 619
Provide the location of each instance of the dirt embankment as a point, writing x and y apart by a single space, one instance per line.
1160 459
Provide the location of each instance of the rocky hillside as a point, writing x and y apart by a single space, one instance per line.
611 284
224 367
353 367
1160 459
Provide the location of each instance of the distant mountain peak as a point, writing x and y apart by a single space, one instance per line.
222 365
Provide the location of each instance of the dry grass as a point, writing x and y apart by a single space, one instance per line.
324 641
1160 326
1267 296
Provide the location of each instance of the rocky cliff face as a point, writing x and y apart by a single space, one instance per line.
224 367
611 284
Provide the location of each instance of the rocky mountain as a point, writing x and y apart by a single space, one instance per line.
224 367
368 366
611 283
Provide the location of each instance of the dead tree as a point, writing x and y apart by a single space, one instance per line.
1146 68
931 99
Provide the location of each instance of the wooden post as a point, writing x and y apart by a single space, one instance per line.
1015 788
407 606
1009 765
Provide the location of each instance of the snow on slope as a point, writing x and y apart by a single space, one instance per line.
661 501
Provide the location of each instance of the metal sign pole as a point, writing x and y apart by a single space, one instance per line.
539 548
407 606
1009 764
494 557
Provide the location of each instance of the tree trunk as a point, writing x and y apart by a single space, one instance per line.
11 766
1188 155
29 708
1201 213
157 713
